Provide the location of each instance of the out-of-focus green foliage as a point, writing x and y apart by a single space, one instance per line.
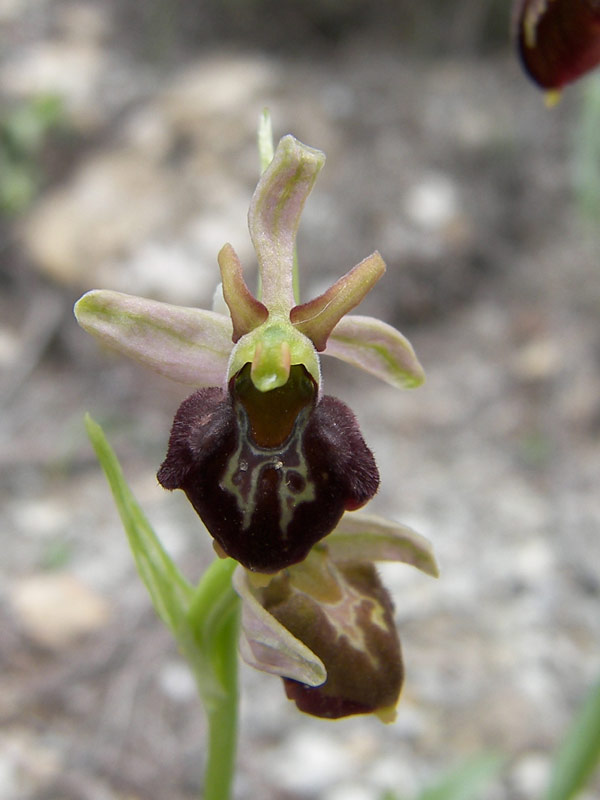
466 782
586 150
24 130
574 764
579 754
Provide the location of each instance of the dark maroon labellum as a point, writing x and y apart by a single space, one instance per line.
558 40
269 473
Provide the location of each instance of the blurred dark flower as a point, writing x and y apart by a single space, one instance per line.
558 40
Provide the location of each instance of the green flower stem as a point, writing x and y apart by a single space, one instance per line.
213 597
213 618
222 717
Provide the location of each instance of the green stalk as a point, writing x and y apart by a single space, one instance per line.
222 718
214 619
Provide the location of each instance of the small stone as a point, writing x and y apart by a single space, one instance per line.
10 347
71 70
530 775
177 682
112 205
310 762
41 517
55 609
433 203
27 763
389 772
538 360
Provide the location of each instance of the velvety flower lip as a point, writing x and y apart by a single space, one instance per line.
558 40
269 474
326 625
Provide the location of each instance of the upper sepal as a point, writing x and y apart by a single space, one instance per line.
274 217
558 40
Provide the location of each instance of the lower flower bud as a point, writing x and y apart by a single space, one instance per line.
351 629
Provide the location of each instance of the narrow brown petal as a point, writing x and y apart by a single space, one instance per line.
246 311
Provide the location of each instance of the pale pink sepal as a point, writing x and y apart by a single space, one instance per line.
317 318
377 348
366 537
274 216
188 345
268 646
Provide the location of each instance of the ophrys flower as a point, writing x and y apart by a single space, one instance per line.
268 461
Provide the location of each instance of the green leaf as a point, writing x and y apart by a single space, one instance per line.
168 589
579 753
211 607
465 782
197 616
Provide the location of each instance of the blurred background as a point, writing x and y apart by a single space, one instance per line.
127 159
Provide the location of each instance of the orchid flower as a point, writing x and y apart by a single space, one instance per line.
558 40
269 463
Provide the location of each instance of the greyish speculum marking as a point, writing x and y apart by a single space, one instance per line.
252 472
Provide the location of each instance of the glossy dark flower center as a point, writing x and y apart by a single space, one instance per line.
271 415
